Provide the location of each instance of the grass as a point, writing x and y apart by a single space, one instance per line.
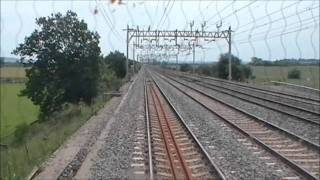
42 139
39 139
15 110
12 72
309 75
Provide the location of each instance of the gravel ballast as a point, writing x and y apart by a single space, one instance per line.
221 142
114 158
66 160
293 125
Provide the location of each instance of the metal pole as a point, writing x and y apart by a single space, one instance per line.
127 60
133 59
177 62
229 43
194 54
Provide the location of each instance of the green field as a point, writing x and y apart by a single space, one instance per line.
15 109
41 139
12 72
265 74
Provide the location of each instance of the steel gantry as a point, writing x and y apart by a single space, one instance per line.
159 39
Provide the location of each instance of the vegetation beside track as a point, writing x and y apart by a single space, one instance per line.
309 75
260 74
28 142
15 110
240 71
32 138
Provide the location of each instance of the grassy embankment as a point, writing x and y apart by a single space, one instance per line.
309 75
39 139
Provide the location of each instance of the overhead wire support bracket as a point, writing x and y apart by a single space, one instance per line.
177 36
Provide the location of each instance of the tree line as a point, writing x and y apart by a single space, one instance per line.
240 71
255 61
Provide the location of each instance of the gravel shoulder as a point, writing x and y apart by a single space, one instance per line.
113 152
82 139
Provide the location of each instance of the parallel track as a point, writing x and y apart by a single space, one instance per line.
299 154
264 100
174 152
304 99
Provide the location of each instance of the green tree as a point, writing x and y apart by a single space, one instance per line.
185 67
294 74
65 65
117 62
1 61
256 61
239 71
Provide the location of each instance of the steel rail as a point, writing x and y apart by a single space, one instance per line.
296 97
266 99
290 163
212 163
303 140
151 176
260 104
156 98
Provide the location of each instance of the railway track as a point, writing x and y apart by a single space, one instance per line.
311 100
309 113
299 154
173 150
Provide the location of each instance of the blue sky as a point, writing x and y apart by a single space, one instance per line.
275 34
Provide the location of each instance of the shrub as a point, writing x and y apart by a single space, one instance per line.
204 69
117 62
185 67
294 74
239 71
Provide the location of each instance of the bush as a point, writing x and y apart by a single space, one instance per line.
117 62
294 74
204 69
185 67
239 71
245 71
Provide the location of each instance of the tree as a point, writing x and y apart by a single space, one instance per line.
185 67
294 74
256 61
1 61
65 66
117 62
239 71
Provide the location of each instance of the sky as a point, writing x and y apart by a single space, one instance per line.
269 30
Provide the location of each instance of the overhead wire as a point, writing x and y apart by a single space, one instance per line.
220 11
229 15
277 35
276 20
263 17
164 11
167 14
109 22
288 25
